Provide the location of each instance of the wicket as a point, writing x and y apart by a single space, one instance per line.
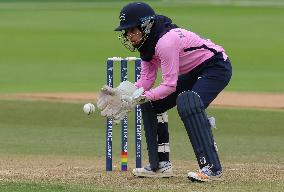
124 124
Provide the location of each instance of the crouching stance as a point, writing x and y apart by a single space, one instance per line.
194 71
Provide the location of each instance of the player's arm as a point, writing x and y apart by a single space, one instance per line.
148 75
168 53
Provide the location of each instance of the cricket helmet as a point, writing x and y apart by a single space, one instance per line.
135 14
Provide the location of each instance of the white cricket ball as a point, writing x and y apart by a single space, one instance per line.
89 108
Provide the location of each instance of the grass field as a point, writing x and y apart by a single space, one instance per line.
62 47
53 146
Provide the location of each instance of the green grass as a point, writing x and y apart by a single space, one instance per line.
49 187
53 47
43 187
38 128
61 130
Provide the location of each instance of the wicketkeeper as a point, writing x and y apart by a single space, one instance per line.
194 71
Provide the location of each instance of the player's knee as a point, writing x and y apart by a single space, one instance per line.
189 103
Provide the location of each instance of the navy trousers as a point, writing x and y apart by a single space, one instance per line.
207 80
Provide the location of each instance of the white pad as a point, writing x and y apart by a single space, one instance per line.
164 147
163 118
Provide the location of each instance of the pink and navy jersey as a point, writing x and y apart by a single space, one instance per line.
177 52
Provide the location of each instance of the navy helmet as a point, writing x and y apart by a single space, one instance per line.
135 14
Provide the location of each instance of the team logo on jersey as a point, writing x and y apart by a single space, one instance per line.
122 17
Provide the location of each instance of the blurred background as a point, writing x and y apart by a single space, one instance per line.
61 46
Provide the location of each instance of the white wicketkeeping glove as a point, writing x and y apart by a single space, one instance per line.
128 103
112 96
117 108
136 98
114 103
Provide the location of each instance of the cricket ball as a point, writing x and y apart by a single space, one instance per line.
89 108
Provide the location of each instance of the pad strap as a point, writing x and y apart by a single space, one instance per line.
162 118
164 147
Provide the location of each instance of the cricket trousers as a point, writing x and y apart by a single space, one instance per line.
207 80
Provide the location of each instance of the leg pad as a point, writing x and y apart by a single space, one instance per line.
150 122
192 113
